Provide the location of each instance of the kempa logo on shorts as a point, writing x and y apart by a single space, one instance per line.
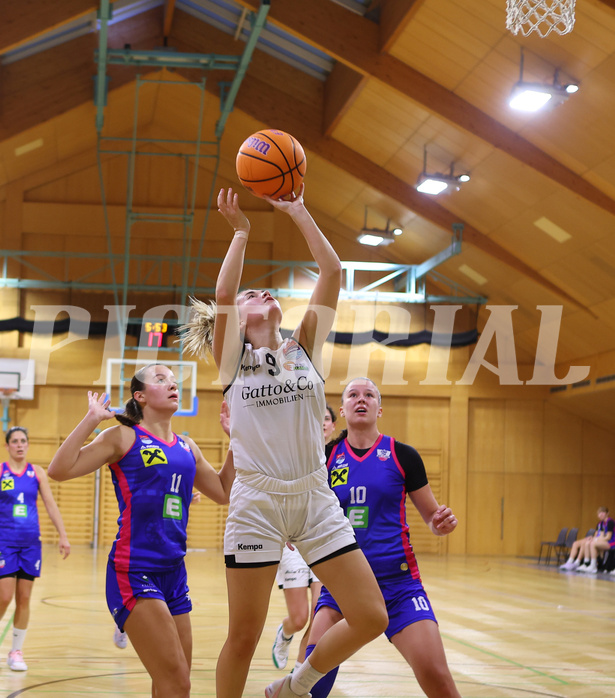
249 546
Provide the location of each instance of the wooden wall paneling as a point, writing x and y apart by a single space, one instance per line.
457 495
207 519
563 452
523 496
562 503
428 420
486 433
485 524
75 499
422 539
598 453
523 437
597 492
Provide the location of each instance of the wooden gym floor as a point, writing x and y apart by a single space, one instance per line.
511 628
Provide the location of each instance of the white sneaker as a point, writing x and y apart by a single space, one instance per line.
583 568
281 689
15 661
592 569
570 565
280 649
120 639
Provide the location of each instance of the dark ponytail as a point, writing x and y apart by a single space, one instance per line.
340 437
133 414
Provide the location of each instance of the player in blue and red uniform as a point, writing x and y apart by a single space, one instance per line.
372 474
153 472
20 535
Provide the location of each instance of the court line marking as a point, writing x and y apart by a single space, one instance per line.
505 659
6 627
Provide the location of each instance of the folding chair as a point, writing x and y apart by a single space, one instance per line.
551 544
564 550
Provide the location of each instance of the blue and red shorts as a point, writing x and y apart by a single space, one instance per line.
124 588
26 558
405 599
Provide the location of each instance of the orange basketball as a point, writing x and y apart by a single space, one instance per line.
271 163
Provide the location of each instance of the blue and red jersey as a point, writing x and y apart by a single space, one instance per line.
153 484
606 526
19 524
372 488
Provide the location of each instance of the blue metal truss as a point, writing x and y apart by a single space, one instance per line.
164 274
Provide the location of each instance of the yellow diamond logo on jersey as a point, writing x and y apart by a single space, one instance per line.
339 476
153 456
8 484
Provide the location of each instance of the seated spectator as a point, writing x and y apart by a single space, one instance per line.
584 553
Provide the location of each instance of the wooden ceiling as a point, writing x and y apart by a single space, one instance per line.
407 75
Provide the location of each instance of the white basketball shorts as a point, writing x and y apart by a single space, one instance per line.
259 523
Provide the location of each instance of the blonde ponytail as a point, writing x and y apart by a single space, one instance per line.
198 333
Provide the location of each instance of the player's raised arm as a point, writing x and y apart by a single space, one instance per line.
320 314
227 336
73 459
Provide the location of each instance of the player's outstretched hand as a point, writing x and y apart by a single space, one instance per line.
228 205
289 203
99 406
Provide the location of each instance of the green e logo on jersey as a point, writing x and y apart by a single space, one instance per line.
20 510
339 476
172 507
153 456
358 516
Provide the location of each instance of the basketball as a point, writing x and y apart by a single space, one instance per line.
271 163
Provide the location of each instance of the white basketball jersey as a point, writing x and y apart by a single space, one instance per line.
277 405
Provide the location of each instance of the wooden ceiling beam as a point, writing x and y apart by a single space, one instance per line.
342 87
25 20
169 8
51 83
395 15
354 40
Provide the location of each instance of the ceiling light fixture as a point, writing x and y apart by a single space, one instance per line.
532 96
378 236
435 184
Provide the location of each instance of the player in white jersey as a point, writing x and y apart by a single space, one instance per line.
276 399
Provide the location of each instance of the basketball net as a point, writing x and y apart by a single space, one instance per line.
540 16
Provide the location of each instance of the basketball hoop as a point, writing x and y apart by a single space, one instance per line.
540 16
